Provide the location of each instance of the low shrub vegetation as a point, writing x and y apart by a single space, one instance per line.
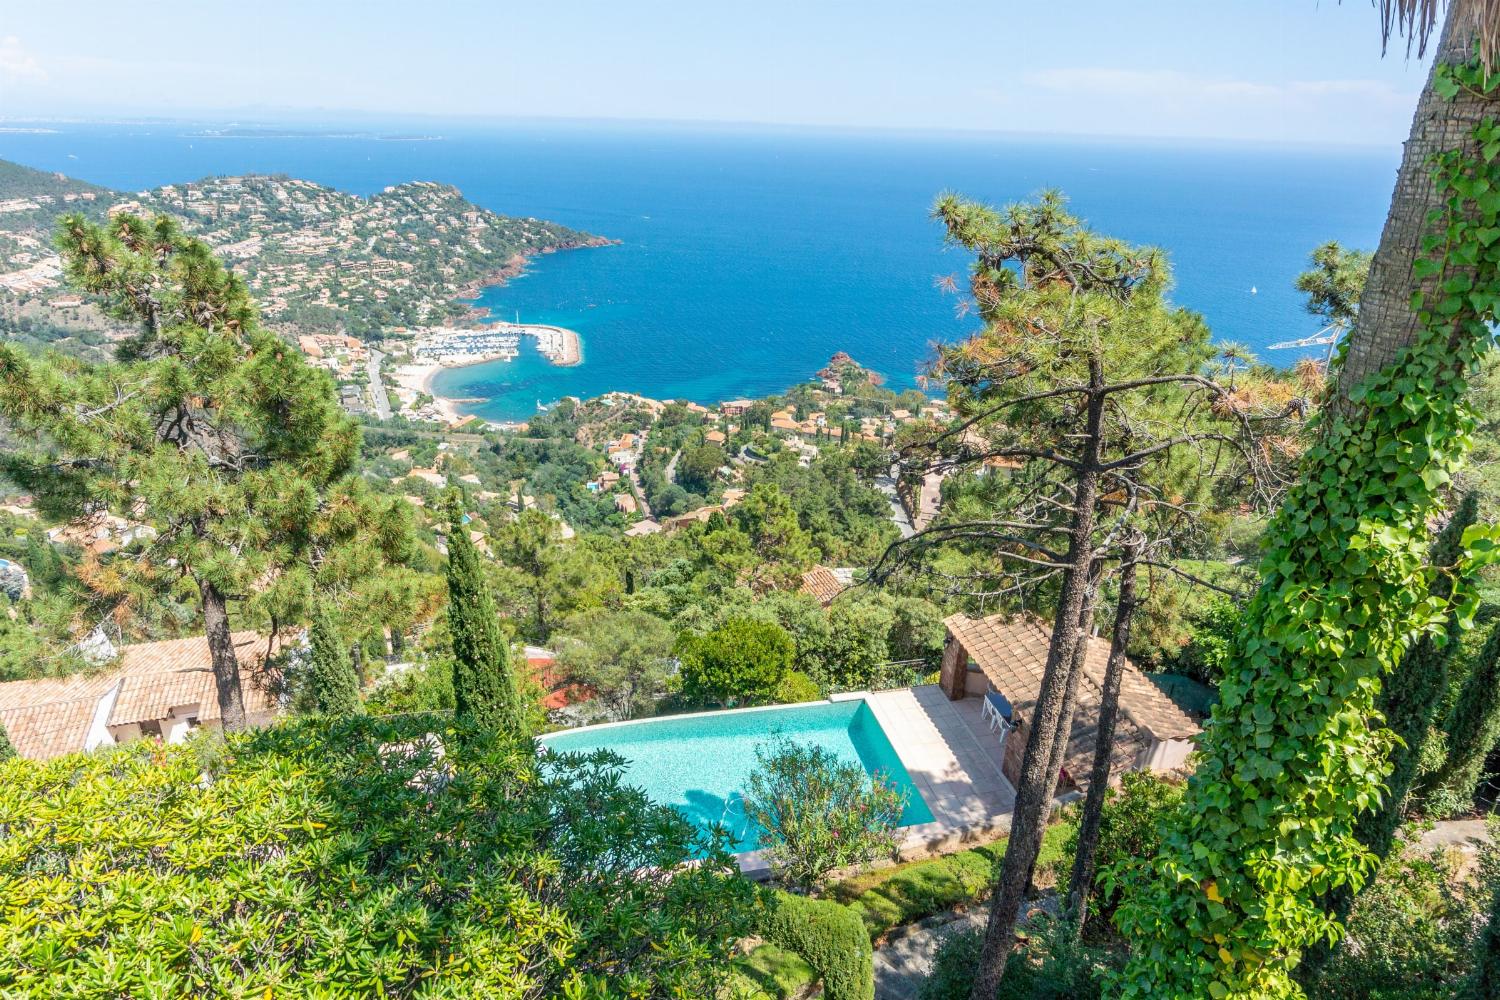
353 858
817 813
890 897
828 937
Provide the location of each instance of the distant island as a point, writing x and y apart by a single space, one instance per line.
318 260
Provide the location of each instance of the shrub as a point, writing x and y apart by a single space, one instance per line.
797 687
952 975
829 937
1129 834
742 662
354 857
1410 934
818 813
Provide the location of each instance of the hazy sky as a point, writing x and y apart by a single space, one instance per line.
1302 70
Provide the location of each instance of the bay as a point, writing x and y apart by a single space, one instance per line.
749 255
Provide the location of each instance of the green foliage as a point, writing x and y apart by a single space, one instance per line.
1207 654
1129 834
624 657
7 751
331 685
1411 932
1471 729
484 686
698 467
1411 695
205 425
355 857
829 937
797 687
892 897
1334 282
1292 757
1051 964
817 813
743 662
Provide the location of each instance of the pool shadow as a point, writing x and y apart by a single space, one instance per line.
707 810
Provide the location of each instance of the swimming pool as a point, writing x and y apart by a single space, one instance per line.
700 764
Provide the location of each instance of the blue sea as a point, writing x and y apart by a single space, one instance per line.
749 255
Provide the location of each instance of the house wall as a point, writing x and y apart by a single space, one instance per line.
1014 752
99 734
1167 755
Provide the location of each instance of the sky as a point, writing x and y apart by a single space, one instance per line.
1262 70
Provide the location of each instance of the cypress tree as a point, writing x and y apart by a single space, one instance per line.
333 686
1484 981
1473 725
7 751
484 689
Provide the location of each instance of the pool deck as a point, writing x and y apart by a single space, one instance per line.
953 759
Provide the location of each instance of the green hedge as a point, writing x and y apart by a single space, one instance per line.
829 937
890 897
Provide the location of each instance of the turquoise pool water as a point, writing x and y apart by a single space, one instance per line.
700 764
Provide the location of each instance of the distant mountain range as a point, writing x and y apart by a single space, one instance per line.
317 259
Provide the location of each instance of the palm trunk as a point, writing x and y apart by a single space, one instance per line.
1386 322
1038 776
226 666
1080 884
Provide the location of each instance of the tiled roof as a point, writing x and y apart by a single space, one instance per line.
160 676
1013 655
822 583
46 718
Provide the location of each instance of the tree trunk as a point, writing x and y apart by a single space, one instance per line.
1386 323
226 666
1038 777
1080 884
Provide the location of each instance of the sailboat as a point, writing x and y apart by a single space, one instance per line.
1254 290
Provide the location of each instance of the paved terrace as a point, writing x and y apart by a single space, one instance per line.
953 759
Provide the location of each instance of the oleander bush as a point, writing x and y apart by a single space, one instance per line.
817 813
827 936
354 857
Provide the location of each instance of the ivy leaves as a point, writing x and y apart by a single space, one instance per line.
1295 751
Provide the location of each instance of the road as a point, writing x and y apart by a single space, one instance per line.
378 398
671 472
887 485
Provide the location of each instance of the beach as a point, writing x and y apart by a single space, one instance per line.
415 380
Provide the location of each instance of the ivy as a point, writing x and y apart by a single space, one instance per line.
1296 749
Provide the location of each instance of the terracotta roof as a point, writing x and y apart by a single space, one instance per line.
45 718
49 717
822 583
160 676
1013 655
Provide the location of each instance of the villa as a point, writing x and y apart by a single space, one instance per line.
1002 662
162 689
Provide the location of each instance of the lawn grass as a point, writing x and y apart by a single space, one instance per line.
887 898
890 897
770 971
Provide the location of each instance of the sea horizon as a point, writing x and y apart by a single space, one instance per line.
749 255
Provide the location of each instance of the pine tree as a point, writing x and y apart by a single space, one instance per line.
484 688
333 686
206 427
